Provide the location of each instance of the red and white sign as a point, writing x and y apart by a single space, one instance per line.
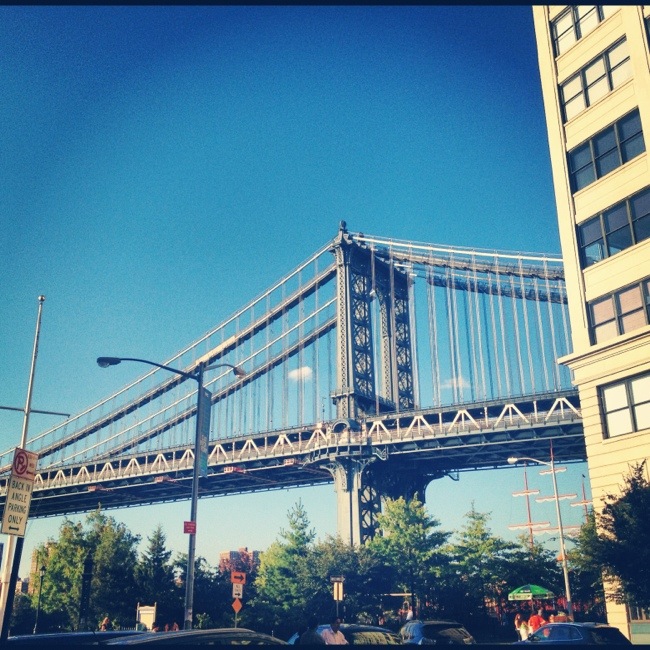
189 527
19 492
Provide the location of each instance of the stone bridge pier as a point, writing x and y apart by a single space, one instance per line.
363 483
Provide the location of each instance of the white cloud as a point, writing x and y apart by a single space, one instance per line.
304 373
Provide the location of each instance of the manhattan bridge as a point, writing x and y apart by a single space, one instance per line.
376 365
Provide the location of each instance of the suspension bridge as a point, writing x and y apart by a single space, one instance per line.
376 365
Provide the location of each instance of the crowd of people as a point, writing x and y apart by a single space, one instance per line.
525 624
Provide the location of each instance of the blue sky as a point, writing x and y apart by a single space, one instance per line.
163 165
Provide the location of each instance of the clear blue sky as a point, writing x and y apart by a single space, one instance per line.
163 165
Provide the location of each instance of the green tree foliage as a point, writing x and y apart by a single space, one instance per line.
212 594
526 564
481 562
620 546
113 587
283 579
155 578
587 578
410 547
113 590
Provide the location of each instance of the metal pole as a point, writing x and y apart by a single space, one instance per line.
189 583
15 546
565 567
40 592
104 362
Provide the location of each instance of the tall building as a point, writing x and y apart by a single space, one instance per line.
241 560
595 71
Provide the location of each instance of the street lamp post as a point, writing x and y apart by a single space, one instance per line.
41 573
203 398
565 567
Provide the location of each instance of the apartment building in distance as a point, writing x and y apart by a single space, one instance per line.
595 71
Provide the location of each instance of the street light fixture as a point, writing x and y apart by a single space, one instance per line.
41 573
565 567
202 421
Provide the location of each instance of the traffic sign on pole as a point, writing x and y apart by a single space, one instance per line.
238 577
19 492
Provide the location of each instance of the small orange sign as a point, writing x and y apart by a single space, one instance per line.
238 577
237 605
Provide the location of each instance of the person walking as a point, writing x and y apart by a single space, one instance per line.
536 621
311 636
521 627
332 635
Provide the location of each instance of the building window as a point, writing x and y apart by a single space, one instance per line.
595 80
626 405
620 312
574 23
606 151
621 226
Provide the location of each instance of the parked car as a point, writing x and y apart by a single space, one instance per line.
222 636
357 634
576 634
435 633
68 638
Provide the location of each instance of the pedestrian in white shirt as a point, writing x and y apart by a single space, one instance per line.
332 635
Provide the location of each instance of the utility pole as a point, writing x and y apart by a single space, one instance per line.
15 546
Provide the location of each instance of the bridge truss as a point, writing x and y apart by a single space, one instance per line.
365 343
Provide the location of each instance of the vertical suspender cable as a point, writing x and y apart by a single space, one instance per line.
315 351
540 329
504 347
471 328
433 338
479 326
393 333
450 332
556 373
459 373
413 342
495 287
515 319
526 328
269 372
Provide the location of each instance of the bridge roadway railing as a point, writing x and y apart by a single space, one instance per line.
471 436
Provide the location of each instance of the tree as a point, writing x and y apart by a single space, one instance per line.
620 546
113 587
480 559
112 549
587 585
410 546
156 579
281 594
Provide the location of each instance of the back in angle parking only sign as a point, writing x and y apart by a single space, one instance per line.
19 492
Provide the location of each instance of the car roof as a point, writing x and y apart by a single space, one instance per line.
179 636
70 638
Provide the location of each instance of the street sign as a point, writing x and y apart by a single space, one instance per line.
237 605
237 590
338 591
189 527
238 577
19 492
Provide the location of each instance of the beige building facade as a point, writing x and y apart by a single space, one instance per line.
595 71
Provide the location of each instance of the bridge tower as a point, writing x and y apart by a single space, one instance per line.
369 381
